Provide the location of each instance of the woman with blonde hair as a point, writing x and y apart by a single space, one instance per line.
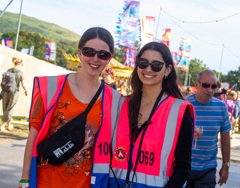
10 96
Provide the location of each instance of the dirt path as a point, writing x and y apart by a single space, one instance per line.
19 132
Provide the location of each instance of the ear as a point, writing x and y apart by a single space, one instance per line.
80 54
110 59
168 70
195 83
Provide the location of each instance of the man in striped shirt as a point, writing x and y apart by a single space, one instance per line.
212 115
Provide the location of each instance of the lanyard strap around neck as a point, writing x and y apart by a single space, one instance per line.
144 128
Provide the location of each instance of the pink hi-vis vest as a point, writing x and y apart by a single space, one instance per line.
155 164
50 88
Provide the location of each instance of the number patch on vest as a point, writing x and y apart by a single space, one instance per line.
146 158
103 148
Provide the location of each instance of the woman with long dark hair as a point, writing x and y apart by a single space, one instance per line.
153 140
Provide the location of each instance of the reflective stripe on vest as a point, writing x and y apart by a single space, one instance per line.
163 158
50 95
101 161
114 132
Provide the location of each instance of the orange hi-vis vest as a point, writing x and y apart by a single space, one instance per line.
155 164
50 88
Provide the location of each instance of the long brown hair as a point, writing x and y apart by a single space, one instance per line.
169 85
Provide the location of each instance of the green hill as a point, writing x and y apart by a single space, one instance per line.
9 23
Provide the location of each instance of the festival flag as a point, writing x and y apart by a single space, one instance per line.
147 29
234 85
7 42
129 57
166 37
50 50
175 58
126 28
184 54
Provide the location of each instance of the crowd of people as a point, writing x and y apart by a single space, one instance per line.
146 136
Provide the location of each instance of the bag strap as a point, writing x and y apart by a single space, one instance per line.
94 99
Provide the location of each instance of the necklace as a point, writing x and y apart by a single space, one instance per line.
82 100
80 97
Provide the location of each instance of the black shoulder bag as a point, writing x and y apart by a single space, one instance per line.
68 140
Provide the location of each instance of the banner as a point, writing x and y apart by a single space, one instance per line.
147 29
184 54
129 57
166 37
175 58
7 42
126 29
50 53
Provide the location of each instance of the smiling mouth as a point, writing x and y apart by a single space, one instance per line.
148 76
94 66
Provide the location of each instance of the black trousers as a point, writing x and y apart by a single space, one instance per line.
202 179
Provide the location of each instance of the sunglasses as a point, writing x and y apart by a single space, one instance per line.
90 52
156 66
207 85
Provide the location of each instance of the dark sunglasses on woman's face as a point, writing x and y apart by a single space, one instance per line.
207 85
155 65
90 52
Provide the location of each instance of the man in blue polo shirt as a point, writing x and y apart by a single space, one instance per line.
212 115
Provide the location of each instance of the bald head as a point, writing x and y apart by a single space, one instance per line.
206 84
205 72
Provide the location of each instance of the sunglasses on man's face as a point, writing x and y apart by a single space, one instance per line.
155 65
207 85
90 52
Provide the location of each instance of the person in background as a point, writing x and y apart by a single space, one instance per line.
9 99
188 91
72 94
153 139
108 77
236 112
220 93
230 102
212 115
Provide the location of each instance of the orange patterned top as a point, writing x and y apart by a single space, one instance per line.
76 171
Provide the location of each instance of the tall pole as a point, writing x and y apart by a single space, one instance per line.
158 21
220 62
189 80
6 8
186 79
19 22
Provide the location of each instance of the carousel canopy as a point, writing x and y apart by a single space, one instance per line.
120 70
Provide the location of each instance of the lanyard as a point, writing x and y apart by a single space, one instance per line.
144 128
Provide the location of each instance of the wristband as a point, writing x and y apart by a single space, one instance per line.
24 183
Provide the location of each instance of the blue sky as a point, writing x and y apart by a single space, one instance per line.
207 39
